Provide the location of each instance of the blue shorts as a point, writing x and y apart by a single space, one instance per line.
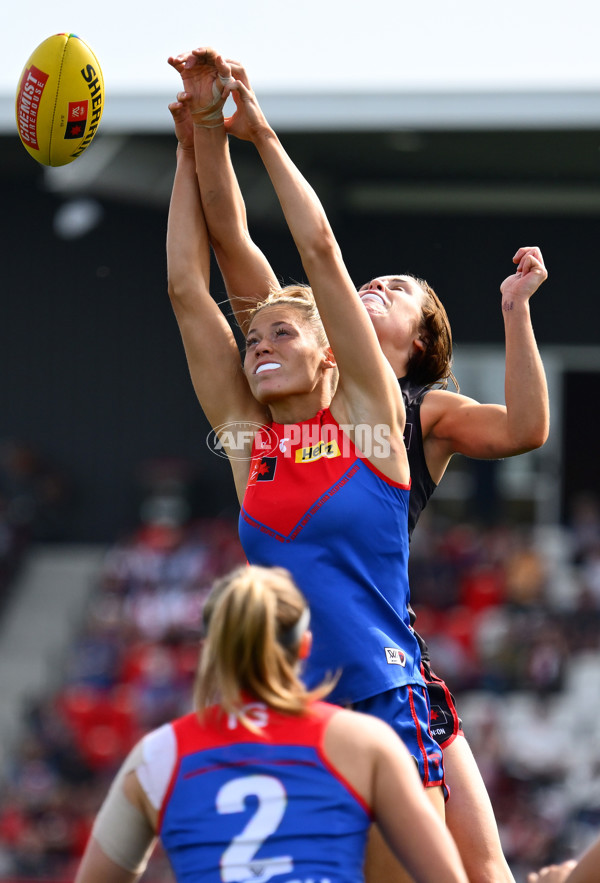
406 710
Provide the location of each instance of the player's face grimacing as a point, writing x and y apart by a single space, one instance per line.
395 306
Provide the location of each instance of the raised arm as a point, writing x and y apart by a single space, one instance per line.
458 424
246 272
367 389
212 353
526 391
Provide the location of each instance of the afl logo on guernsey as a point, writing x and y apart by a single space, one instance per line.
395 656
233 440
327 449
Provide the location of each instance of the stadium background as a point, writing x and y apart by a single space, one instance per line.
443 165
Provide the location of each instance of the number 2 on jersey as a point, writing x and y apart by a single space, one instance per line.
238 862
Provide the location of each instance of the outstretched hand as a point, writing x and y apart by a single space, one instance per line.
248 118
204 76
184 129
529 275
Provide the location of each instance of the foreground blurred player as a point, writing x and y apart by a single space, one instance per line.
414 333
264 780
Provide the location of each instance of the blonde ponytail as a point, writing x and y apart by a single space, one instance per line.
255 620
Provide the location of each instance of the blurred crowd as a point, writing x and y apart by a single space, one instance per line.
512 618
34 502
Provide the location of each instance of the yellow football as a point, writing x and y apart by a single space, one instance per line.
60 100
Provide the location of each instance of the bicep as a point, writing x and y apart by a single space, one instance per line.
470 428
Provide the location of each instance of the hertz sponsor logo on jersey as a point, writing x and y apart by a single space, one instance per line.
395 656
327 449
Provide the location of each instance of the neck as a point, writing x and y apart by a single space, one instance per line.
397 360
296 409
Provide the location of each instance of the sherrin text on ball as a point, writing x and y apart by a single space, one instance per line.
60 99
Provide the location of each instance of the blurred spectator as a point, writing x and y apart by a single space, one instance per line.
523 661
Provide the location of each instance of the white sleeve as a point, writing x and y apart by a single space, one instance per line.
122 831
156 767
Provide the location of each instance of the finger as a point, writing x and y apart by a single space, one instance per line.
205 53
528 249
238 71
223 67
177 111
238 86
175 61
530 264
521 252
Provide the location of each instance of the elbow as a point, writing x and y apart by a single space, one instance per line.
535 438
538 435
178 293
172 290
321 246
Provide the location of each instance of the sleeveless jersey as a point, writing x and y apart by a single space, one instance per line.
422 484
244 806
316 507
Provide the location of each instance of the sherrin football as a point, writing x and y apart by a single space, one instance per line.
60 99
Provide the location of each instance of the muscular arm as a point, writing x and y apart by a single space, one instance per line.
457 424
370 396
371 757
212 353
246 272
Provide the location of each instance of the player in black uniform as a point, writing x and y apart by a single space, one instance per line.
414 333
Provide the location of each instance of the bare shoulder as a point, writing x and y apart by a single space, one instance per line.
354 729
356 745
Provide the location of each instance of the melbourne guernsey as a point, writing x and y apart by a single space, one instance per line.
315 506
238 805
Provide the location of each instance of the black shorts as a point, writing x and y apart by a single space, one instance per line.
444 722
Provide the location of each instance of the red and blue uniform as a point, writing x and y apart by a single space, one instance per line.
258 806
316 507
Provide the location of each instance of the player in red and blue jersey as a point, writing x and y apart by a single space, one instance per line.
419 349
310 352
269 782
